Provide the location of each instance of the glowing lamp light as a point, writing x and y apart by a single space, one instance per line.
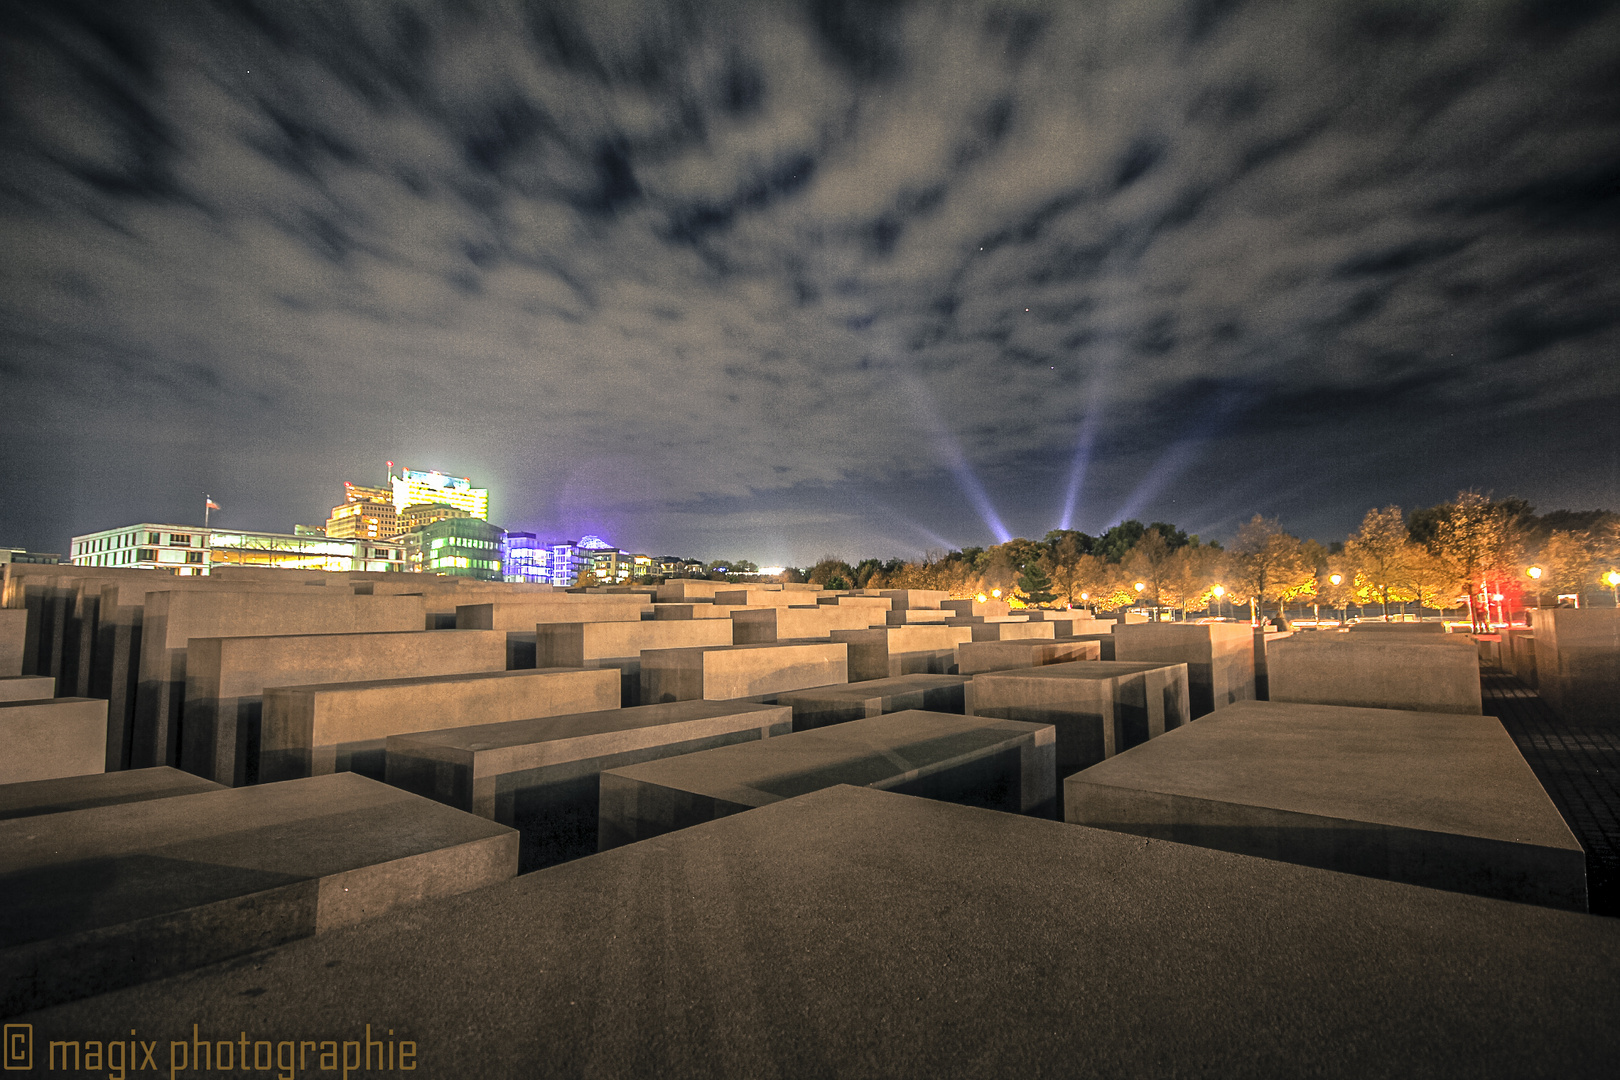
981 598
1612 578
1335 578
1140 586
1496 596
996 593
1219 591
1085 596
1535 572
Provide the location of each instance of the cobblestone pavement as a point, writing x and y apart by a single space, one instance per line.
1579 765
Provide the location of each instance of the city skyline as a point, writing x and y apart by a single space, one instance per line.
772 282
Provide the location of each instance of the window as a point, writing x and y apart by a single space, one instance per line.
194 556
180 539
154 538
147 555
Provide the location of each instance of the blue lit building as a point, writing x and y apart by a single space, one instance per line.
527 559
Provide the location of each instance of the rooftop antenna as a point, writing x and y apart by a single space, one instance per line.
390 481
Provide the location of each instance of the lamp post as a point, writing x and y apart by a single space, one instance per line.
1218 592
1344 617
1613 578
1535 573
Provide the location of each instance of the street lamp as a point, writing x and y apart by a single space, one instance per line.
1218 592
1344 617
1535 573
1613 578
996 593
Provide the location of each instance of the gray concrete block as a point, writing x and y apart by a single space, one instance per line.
1104 640
173 618
13 641
1219 657
914 599
525 612
839 704
35 797
1375 671
575 644
1521 654
976 657
917 617
1381 627
766 625
888 652
853 932
1099 707
1262 674
343 727
682 611
541 776
1001 764
1440 800
54 737
1578 661
27 687
739 671
1014 631
226 679
172 884
976 607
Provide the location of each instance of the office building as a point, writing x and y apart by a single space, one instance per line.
187 550
414 487
422 515
457 547
367 513
21 555
179 549
525 558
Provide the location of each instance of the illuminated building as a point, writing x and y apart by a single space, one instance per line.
412 488
367 513
188 550
458 547
179 549
422 515
302 552
525 558
20 555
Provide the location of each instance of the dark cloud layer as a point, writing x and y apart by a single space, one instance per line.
777 280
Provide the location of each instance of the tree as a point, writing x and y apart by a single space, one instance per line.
1568 562
1036 584
1268 564
1062 563
1430 580
1478 540
1380 555
1149 562
830 569
1192 575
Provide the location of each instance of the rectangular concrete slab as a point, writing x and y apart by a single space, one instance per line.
1099 707
52 737
976 657
888 652
886 936
914 599
1434 799
917 617
1219 657
839 704
739 671
13 640
226 679
679 611
1577 654
619 645
1014 631
763 626
36 797
976 607
541 776
27 687
171 884
523 613
1375 671
1001 764
172 619
343 727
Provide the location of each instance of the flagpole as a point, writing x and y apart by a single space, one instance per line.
208 504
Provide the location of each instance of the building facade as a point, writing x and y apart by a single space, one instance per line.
367 513
414 487
525 558
457 547
189 551
22 555
421 515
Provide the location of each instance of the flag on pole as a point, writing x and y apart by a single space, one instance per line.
210 504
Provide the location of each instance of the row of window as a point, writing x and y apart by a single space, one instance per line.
460 563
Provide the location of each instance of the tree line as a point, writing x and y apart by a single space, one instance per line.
1473 553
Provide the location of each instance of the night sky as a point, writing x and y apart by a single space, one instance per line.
772 281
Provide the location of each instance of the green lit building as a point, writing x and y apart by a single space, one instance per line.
457 547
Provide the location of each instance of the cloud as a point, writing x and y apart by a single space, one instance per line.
627 259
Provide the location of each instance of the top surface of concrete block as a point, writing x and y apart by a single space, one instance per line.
98 789
26 687
1399 627
988 944
554 731
864 752
1418 770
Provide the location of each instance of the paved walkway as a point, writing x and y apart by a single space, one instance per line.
1579 765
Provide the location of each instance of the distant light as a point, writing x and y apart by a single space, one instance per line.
771 570
996 593
1535 572
1496 596
1612 578
1085 596
1219 591
1335 578
1140 586
981 598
